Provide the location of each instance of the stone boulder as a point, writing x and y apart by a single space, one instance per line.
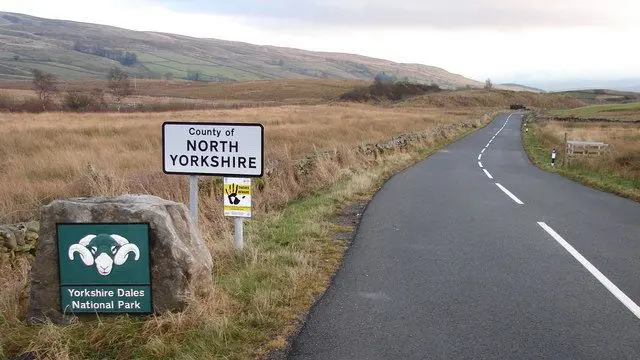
181 263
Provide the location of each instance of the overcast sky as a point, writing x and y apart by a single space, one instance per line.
549 43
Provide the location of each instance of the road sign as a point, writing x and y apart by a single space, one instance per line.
221 149
237 197
104 268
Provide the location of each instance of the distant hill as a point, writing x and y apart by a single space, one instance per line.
77 51
518 87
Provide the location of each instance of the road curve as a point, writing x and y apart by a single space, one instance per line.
474 253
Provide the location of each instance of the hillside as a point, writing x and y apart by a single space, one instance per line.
518 87
79 51
603 96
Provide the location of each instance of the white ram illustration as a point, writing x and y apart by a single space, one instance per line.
104 251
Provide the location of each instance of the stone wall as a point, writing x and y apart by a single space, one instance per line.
19 238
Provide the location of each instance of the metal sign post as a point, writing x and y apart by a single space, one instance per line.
237 204
193 198
238 240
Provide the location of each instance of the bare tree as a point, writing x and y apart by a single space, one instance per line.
488 85
45 85
119 84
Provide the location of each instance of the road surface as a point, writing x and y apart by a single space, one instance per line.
475 253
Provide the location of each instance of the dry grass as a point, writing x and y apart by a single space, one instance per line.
290 252
256 91
46 156
617 171
493 98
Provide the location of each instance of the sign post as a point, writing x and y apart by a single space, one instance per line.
193 198
237 204
232 150
104 268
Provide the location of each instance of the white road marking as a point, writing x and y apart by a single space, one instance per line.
488 175
624 299
513 197
482 152
479 164
480 157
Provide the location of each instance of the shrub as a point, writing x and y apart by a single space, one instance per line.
77 101
32 105
7 103
381 90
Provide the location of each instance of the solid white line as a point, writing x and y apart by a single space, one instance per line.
479 164
595 272
488 175
513 197
479 156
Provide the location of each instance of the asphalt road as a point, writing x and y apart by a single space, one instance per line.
447 265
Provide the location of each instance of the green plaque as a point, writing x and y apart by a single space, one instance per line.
104 268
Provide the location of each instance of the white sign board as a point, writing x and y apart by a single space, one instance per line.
221 149
237 197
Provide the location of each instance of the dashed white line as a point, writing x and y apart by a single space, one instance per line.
624 299
513 197
486 172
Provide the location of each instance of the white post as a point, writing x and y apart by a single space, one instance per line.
193 198
238 241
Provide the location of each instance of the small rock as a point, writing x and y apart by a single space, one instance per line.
9 239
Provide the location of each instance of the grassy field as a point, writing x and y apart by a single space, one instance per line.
603 96
618 171
629 111
291 250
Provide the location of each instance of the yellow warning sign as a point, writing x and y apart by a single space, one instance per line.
237 197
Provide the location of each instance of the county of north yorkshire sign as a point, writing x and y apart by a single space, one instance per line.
104 268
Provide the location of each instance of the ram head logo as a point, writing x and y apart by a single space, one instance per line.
104 251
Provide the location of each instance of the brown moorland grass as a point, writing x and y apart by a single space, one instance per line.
493 98
259 90
290 252
617 171
46 156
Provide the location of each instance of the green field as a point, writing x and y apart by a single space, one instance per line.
603 110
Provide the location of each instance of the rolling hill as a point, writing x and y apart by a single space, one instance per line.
78 51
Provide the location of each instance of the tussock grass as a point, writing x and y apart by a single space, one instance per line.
618 171
53 155
290 251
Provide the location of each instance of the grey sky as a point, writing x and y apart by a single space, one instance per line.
427 13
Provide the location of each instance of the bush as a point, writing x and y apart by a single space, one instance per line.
381 90
77 101
32 105
7 103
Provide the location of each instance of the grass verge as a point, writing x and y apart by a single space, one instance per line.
289 259
538 144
